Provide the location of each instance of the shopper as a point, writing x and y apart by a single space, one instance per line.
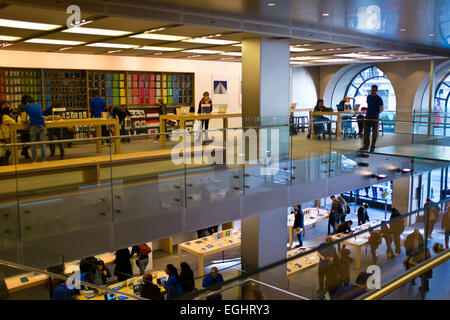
213 229
62 292
37 125
412 261
363 216
397 227
213 282
54 133
299 225
445 223
172 285
5 134
414 243
201 233
326 254
86 264
121 114
344 105
344 206
318 127
375 240
333 276
52 283
204 106
345 227
123 270
334 217
186 278
355 290
149 290
387 235
141 251
371 123
100 273
431 216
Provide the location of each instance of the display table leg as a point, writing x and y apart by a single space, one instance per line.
180 251
291 237
358 258
98 134
167 245
338 128
200 266
117 141
15 149
162 130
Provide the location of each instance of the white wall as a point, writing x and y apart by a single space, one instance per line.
204 71
305 87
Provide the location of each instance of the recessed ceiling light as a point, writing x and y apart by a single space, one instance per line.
63 49
157 53
229 58
9 38
114 51
271 4
235 54
203 51
325 14
297 49
27 25
55 42
155 36
210 41
99 32
5 44
237 45
298 62
402 29
111 45
431 35
194 56
155 30
159 48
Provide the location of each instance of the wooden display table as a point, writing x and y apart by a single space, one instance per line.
310 217
358 241
199 247
70 123
338 114
124 288
192 116
302 263
15 284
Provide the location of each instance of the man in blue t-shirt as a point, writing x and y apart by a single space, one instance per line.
213 282
63 293
37 125
374 108
97 106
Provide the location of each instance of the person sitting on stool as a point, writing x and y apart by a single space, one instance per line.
204 106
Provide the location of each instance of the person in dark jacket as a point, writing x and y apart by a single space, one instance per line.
345 227
299 225
121 113
319 127
333 218
414 243
186 278
375 240
397 227
355 290
432 213
387 235
344 206
54 133
123 270
149 290
172 285
87 264
345 262
363 217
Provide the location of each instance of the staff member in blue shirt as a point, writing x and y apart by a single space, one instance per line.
37 125
97 106
62 292
374 108
213 282
172 285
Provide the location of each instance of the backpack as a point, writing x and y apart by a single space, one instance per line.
144 249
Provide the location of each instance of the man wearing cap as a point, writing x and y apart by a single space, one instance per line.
363 217
205 106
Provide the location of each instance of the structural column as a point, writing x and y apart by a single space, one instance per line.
265 95
401 196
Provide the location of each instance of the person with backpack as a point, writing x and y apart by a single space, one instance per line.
375 240
335 214
397 227
345 209
141 251
387 235
432 212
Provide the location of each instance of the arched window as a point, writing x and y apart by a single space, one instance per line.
360 86
442 106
